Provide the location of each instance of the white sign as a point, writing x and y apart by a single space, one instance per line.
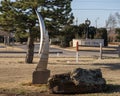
88 42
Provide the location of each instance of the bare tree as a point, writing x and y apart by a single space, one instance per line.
117 17
111 22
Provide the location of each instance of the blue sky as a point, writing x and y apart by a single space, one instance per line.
95 10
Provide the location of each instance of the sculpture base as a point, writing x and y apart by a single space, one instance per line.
40 77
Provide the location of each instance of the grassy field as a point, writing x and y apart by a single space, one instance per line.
16 75
9 48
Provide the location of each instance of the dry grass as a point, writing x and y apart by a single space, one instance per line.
16 75
9 48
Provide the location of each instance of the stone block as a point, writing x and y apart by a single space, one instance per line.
41 76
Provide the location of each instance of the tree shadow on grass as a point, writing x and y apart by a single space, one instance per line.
112 88
69 64
112 66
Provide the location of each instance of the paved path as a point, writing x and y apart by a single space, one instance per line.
56 51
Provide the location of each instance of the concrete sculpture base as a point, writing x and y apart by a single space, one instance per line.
41 77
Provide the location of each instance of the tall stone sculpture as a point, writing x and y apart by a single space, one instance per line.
41 74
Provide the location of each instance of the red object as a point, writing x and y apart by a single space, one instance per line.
77 46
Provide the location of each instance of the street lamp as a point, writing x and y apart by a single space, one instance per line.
87 23
96 21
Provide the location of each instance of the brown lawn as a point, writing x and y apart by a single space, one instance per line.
16 75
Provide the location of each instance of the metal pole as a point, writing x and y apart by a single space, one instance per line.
87 33
119 51
58 54
8 40
77 54
100 51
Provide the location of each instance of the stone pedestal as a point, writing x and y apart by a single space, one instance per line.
41 77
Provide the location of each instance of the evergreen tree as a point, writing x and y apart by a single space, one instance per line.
7 22
20 15
92 32
82 30
68 33
102 34
58 16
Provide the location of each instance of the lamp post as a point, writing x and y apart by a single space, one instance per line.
87 23
96 21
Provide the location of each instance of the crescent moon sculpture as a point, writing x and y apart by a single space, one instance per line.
41 74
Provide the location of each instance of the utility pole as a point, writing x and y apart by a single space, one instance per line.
96 21
77 54
76 21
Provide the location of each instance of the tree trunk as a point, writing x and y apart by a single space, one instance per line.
30 50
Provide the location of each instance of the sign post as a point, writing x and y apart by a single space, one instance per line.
100 51
119 51
77 54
